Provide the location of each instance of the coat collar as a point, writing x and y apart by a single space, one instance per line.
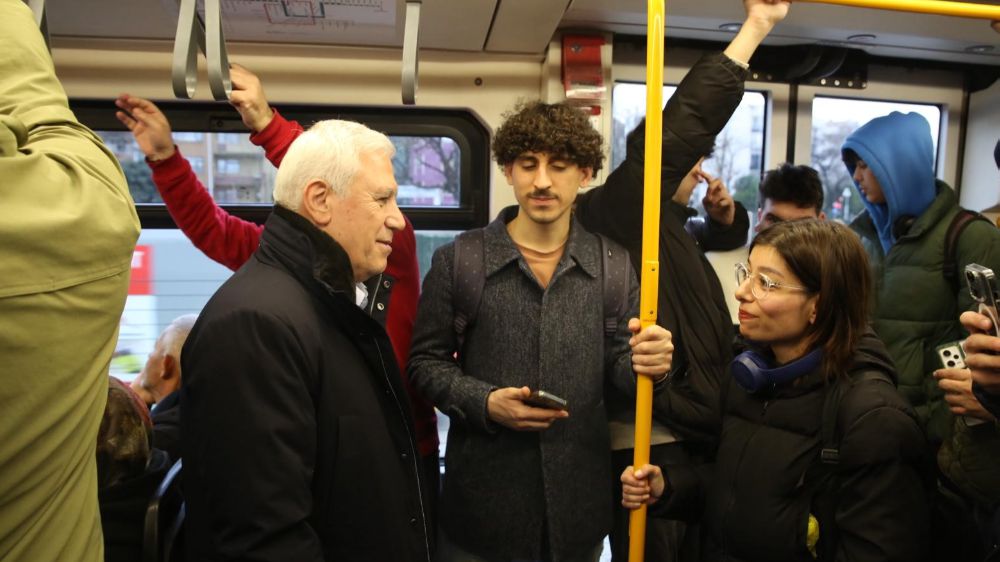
501 250
307 252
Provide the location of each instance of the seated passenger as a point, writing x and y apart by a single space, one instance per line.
815 378
160 379
128 472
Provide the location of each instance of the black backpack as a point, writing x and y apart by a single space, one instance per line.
823 473
953 536
469 278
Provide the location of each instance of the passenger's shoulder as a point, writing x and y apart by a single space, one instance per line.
877 424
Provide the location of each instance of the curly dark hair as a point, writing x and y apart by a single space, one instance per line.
557 129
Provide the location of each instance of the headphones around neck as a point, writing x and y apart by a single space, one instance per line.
753 372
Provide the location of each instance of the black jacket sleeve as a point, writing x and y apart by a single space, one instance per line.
717 237
694 115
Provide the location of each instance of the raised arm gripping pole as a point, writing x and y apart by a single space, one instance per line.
190 38
650 276
410 51
936 7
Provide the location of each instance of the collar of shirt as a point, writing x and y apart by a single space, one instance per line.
361 295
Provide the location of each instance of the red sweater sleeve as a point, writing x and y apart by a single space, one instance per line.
277 137
224 238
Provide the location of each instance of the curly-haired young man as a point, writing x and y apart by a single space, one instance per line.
526 482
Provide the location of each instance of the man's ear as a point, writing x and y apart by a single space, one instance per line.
316 202
588 174
822 216
170 367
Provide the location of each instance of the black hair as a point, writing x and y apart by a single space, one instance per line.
798 185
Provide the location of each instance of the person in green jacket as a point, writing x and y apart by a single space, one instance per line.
903 228
67 231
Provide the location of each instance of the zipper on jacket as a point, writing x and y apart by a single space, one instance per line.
413 453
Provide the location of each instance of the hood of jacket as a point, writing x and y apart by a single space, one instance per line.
899 150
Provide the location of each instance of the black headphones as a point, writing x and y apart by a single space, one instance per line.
753 372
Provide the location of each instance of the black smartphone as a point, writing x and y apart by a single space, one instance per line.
983 288
542 399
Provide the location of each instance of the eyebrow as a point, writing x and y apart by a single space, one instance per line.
384 192
768 270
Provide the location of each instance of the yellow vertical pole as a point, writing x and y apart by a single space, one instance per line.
650 274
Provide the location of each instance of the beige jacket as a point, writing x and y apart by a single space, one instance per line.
67 231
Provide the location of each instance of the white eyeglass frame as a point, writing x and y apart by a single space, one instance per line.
769 284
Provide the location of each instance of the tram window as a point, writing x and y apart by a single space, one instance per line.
739 148
170 277
427 168
442 161
833 119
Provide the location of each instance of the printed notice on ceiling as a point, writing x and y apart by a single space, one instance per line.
302 17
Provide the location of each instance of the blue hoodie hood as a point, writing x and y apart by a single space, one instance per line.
899 151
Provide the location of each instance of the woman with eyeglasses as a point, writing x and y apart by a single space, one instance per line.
819 457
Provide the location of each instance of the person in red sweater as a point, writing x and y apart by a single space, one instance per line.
231 241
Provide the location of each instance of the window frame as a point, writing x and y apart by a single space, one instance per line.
462 126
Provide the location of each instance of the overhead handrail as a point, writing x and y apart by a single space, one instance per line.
193 35
184 70
936 7
411 33
650 274
218 59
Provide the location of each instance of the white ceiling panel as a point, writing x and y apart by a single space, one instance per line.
525 26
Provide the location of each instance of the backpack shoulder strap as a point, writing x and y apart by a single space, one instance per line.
823 474
958 223
615 284
830 442
468 280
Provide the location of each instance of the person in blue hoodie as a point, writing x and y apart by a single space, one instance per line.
908 212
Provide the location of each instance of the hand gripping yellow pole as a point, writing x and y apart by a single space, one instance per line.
937 7
650 251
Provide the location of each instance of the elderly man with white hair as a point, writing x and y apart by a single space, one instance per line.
296 431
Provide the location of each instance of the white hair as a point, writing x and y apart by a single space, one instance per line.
330 151
173 336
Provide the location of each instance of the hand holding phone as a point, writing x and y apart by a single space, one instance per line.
510 408
984 290
982 348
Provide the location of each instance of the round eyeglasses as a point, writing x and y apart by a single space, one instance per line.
761 285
